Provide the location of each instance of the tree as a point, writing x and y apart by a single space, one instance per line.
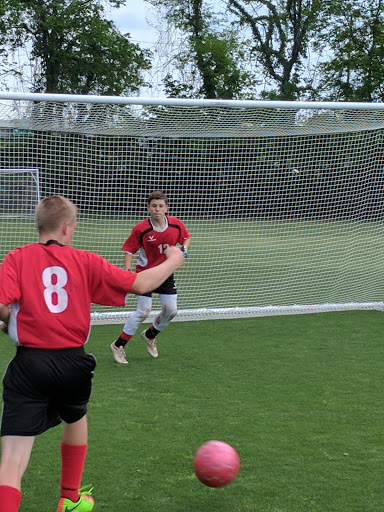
215 69
244 45
8 20
353 37
209 63
280 33
74 49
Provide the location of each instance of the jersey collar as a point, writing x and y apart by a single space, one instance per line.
52 242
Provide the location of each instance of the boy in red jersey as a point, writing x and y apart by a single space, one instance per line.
49 287
151 238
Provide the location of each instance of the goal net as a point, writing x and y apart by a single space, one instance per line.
283 200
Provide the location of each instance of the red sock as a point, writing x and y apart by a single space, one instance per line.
72 466
10 498
125 337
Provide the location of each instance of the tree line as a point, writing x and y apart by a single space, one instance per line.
228 49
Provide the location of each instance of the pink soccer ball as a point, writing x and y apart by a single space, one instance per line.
216 464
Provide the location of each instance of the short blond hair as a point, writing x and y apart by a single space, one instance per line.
52 211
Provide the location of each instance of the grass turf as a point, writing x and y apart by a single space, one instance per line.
299 397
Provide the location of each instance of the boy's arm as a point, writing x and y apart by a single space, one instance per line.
128 261
185 246
4 318
152 278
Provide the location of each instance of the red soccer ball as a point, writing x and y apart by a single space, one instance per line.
216 464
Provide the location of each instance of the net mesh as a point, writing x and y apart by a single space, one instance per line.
284 205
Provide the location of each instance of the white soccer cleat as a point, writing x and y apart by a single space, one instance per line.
118 354
151 345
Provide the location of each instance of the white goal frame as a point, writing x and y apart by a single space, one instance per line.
279 123
14 172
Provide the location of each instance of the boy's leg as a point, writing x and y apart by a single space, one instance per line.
15 455
167 314
73 453
75 436
144 306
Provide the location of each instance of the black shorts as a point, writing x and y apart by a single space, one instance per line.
42 387
167 288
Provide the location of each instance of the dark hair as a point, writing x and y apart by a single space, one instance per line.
157 194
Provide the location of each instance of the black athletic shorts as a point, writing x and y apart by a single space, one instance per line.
42 387
167 288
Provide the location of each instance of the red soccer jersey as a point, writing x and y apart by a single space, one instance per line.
152 242
50 288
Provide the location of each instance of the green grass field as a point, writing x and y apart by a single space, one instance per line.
299 397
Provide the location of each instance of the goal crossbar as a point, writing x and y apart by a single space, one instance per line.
122 100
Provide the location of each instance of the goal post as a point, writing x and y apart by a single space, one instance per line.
284 200
19 194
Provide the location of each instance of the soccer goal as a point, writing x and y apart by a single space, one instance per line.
284 200
19 191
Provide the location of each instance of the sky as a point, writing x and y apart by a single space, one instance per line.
135 19
132 18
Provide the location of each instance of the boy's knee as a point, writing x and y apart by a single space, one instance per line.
142 314
172 314
168 314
